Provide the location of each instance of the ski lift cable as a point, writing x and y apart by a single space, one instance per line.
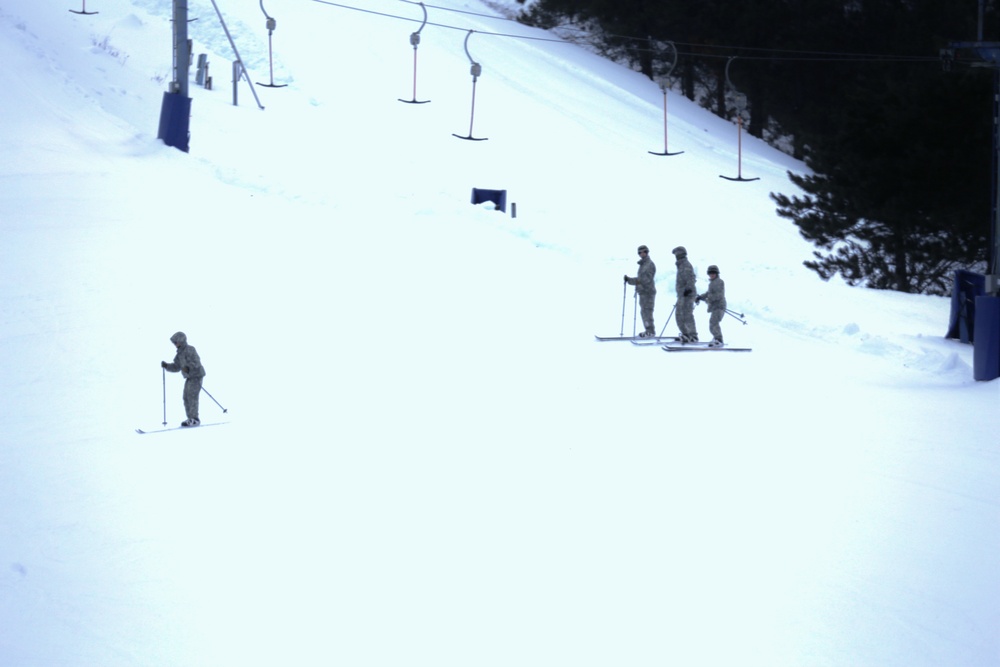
806 56
437 25
814 55
463 11
643 40
725 51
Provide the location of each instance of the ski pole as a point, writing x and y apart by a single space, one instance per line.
635 310
164 371
738 316
624 291
668 320
224 410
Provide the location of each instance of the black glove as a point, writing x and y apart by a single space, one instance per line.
697 300
163 364
626 278
688 292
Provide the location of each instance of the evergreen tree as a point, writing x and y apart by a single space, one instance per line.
898 198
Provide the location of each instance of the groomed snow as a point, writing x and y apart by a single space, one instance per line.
428 459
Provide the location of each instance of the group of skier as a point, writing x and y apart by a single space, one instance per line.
188 363
687 297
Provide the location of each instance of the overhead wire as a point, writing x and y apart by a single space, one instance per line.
690 49
442 25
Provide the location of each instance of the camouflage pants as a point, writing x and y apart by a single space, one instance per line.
646 302
685 316
192 390
713 322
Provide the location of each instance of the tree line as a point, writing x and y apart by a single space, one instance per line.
900 146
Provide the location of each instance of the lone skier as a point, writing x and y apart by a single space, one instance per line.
715 297
685 296
188 363
645 287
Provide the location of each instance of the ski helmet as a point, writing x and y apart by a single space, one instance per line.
712 268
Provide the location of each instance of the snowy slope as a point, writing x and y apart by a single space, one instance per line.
428 460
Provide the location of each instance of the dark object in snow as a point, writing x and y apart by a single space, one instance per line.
498 197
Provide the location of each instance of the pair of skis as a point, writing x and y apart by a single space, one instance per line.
177 428
673 344
700 347
704 347
647 340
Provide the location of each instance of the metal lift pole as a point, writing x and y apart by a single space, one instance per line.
175 111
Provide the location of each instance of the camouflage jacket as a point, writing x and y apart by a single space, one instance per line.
186 360
645 282
716 294
685 277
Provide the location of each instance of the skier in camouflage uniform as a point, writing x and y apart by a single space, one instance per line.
716 299
645 287
188 363
685 296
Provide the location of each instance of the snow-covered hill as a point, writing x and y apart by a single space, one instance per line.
428 459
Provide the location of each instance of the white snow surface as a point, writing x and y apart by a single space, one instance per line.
428 458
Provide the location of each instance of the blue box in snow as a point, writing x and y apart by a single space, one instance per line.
175 121
968 286
986 349
498 197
